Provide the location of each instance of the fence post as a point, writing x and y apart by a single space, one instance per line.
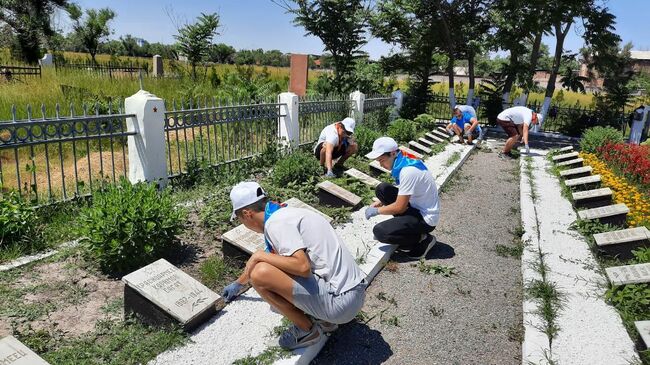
358 98
289 129
147 160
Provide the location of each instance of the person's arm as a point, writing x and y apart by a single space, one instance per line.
525 133
474 122
297 264
329 150
400 206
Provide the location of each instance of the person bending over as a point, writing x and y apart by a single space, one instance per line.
335 141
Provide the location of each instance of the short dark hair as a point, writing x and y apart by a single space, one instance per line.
258 206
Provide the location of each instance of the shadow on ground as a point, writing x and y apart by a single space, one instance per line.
363 345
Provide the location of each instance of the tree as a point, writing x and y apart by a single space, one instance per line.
93 28
340 25
30 23
221 53
572 81
194 40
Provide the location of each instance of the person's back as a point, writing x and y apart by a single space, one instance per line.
516 114
421 186
467 109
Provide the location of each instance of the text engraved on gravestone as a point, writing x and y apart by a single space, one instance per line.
339 192
629 274
15 352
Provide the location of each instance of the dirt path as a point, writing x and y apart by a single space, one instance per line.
471 317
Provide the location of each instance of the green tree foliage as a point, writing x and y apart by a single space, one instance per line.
195 40
221 53
91 30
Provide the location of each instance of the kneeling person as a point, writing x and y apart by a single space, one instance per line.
414 205
464 123
304 270
335 141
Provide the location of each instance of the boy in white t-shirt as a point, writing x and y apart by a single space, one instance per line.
414 205
335 141
304 272
516 122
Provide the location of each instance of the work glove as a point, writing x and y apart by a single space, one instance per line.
371 212
231 291
527 150
330 174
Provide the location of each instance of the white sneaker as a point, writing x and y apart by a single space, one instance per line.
295 338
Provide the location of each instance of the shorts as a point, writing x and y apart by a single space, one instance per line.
312 296
509 127
338 152
475 132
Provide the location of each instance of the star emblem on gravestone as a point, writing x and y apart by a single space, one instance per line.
155 110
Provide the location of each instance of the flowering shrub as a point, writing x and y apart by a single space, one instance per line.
622 191
631 160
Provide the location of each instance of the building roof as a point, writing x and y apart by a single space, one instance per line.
640 55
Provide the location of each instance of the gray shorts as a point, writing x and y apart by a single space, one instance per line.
312 297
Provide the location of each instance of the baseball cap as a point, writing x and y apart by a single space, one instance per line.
348 124
245 193
381 146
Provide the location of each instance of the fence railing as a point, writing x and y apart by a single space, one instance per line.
314 115
104 69
10 72
62 156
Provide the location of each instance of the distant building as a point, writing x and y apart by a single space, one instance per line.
140 42
640 61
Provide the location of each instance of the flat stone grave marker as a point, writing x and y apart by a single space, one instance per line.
441 129
643 327
411 152
14 352
566 149
587 180
441 134
610 214
249 241
434 138
366 179
592 198
577 172
377 167
565 157
332 194
629 274
621 243
577 161
160 293
420 147
425 142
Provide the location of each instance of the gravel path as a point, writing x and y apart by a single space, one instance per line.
472 317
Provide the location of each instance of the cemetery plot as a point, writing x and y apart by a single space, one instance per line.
621 243
419 147
411 152
577 172
161 293
629 274
366 179
565 157
332 194
575 162
583 181
611 214
592 198
14 352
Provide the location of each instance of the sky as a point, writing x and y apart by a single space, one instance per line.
252 24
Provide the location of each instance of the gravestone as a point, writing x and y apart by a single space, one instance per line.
243 239
366 179
441 129
411 152
14 352
158 66
434 138
629 274
46 61
441 134
611 214
621 243
419 147
161 294
334 195
425 142
587 181
576 162
577 172
376 167
566 149
643 327
592 198
565 157
298 74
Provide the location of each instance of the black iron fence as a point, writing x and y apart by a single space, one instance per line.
104 69
12 72
316 112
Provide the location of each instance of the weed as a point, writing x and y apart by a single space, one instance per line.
392 320
114 306
452 159
284 326
463 292
392 266
509 251
446 271
217 272
267 357
516 333
436 312
383 297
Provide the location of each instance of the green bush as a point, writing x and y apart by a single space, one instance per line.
365 137
129 226
402 130
296 167
425 122
595 137
17 218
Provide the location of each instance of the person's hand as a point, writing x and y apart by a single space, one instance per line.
377 204
231 291
371 212
527 150
252 261
329 174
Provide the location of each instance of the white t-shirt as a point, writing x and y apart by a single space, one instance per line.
330 135
467 109
292 229
517 114
421 186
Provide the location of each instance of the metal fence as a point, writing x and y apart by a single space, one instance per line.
10 72
376 110
315 112
214 132
104 69
64 156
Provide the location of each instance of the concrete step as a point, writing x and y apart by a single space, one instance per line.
566 157
621 243
629 274
588 181
577 172
575 162
420 147
611 214
592 198
411 152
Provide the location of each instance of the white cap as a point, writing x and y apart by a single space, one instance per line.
348 124
381 146
245 193
457 106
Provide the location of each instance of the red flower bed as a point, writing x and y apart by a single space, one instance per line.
631 160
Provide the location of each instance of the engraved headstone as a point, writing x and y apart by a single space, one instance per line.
441 134
643 327
425 141
621 243
14 352
592 198
442 129
612 214
158 66
587 180
566 149
366 179
577 172
377 167
629 274
329 190
434 138
411 152
160 293
577 162
565 157
419 147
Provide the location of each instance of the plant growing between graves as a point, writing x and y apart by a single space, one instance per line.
402 130
595 137
435 269
452 159
633 303
217 272
267 357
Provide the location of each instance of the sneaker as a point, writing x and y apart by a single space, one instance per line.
505 156
327 327
295 338
422 248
